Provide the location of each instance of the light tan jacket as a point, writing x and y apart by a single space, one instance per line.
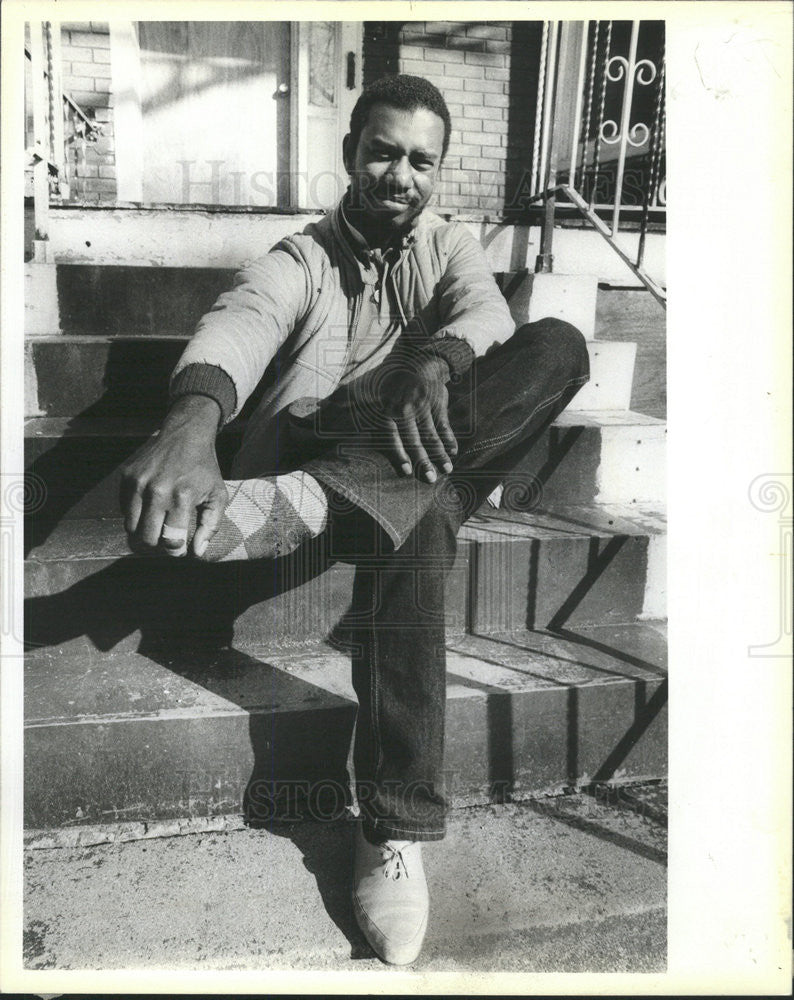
289 314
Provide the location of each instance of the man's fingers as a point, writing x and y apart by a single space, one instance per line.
412 442
432 443
131 506
395 446
209 520
399 454
150 525
445 432
173 537
159 500
130 501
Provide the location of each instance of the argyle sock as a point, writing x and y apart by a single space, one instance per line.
269 517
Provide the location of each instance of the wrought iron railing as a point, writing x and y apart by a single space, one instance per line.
57 130
599 141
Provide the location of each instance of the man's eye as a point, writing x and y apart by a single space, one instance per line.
424 164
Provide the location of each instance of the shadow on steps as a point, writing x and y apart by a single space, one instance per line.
181 615
171 603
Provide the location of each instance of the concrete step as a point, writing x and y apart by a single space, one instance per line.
604 457
575 565
219 237
609 456
571 297
91 376
108 300
567 565
571 883
77 460
178 733
116 376
634 315
145 301
611 377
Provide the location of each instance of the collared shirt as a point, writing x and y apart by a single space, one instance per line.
379 318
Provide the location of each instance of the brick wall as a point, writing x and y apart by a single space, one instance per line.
487 72
85 52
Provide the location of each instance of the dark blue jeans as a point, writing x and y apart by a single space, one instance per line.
402 535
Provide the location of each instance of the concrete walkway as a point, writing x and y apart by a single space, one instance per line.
568 884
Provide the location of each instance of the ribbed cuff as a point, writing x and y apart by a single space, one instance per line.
206 380
458 354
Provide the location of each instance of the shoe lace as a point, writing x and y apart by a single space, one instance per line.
395 866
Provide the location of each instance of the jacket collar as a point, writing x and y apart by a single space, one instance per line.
356 243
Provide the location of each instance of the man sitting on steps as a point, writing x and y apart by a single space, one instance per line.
395 397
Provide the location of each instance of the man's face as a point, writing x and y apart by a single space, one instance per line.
393 168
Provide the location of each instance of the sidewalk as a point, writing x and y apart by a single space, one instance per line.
569 884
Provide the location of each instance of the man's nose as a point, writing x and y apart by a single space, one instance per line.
401 174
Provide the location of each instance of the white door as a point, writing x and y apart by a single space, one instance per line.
327 58
233 113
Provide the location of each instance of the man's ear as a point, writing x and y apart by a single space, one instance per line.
347 154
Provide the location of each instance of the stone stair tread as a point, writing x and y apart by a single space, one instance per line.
100 427
112 686
132 426
193 683
104 537
564 520
606 418
105 338
83 538
119 374
600 456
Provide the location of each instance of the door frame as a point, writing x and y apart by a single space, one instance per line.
350 39
125 67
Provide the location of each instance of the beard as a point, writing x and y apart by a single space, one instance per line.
377 217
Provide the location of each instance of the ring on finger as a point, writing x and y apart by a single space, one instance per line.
171 534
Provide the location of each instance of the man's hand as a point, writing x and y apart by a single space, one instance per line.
413 400
170 477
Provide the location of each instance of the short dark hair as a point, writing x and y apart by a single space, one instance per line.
401 91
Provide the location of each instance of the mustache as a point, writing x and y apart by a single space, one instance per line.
391 193
381 187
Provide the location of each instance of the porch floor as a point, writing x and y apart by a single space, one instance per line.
564 884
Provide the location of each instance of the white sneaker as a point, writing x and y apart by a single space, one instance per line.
390 897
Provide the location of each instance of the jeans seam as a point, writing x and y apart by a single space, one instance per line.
375 514
373 693
517 430
377 824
